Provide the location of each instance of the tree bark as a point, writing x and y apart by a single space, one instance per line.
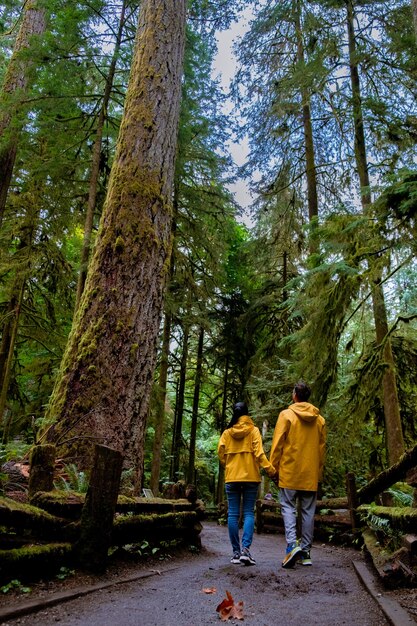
95 163
394 435
196 401
15 86
103 388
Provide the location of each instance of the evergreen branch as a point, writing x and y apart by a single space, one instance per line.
10 31
365 298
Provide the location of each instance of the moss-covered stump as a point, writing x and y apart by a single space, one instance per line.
26 517
183 525
42 465
403 519
33 562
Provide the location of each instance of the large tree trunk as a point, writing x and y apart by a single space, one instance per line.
160 414
14 89
104 385
394 435
196 402
95 163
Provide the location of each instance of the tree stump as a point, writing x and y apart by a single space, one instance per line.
42 464
99 508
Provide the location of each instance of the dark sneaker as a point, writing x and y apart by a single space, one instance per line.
246 558
305 558
235 558
292 555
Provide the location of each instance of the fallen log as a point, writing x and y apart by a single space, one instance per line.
388 477
32 562
69 504
183 525
26 517
391 568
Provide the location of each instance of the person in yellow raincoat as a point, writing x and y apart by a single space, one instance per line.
241 453
297 454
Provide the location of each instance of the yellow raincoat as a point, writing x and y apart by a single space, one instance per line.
298 447
241 452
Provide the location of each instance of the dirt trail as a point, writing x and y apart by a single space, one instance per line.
325 594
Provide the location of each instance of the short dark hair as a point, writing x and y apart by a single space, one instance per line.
302 391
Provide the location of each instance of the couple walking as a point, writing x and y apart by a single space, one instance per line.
295 465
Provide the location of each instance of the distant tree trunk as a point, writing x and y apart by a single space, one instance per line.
394 435
103 388
177 443
8 342
9 330
196 402
414 10
160 410
220 482
308 128
15 86
95 163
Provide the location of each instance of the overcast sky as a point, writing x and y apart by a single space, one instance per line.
224 68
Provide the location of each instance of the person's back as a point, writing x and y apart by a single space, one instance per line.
298 447
241 453
297 454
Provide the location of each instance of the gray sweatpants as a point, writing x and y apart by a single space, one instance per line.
288 499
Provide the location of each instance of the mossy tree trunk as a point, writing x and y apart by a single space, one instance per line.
103 388
393 427
14 89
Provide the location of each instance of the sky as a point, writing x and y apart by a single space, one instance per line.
224 68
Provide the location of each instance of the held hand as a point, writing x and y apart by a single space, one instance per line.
275 479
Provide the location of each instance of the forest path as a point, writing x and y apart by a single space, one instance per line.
325 594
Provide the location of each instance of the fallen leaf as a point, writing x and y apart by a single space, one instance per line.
209 590
227 609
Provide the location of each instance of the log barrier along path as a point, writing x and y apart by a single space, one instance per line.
325 594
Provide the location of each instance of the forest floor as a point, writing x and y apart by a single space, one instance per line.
175 592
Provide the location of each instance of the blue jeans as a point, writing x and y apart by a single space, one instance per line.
236 492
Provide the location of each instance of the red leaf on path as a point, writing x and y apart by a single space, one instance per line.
228 609
209 590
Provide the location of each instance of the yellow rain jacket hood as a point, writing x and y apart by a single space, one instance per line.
298 447
241 452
